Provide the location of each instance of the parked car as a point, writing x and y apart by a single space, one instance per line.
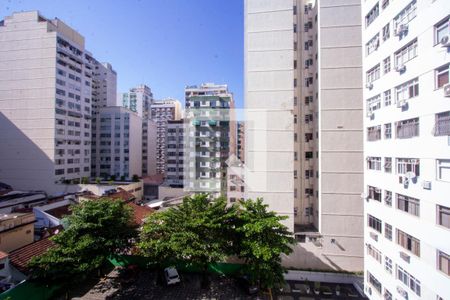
171 276
245 283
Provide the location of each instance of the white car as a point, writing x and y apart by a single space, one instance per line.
171 275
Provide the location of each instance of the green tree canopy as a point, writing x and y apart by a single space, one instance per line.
261 238
197 231
97 229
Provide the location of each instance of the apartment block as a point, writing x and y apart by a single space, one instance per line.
175 146
104 94
139 99
303 130
240 141
45 103
119 143
208 137
16 231
162 111
406 149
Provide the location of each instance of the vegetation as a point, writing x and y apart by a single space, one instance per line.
201 231
85 180
97 230
262 238
135 178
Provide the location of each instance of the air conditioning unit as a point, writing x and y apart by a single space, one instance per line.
447 90
402 292
401 103
370 113
400 68
369 85
426 185
445 41
410 175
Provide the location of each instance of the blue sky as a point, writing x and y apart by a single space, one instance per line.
165 44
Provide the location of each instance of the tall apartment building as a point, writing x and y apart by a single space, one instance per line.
407 149
139 99
162 111
175 146
119 143
303 130
240 141
104 94
45 103
208 136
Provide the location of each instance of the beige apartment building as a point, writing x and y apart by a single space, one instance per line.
45 103
303 130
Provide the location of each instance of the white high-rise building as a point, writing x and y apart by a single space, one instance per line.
45 103
407 149
303 124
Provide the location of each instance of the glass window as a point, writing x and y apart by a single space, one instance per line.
406 53
443 262
442 29
443 216
442 75
408 242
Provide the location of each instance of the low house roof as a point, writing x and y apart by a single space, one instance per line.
60 212
140 212
20 258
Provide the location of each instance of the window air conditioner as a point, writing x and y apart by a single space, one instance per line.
400 68
447 90
445 41
410 175
401 28
370 113
426 185
369 85
401 103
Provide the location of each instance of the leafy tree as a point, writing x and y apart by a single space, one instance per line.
135 178
261 239
97 180
197 231
84 180
97 229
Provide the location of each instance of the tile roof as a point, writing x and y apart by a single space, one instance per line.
3 255
154 179
140 212
19 258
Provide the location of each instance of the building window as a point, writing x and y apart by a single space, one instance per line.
442 76
443 170
407 90
406 15
374 133
408 204
442 124
386 32
386 65
384 4
388 231
372 251
373 44
374 282
443 262
59 171
388 264
388 198
374 193
408 242
441 29
408 280
372 15
374 103
405 165
373 74
406 53
407 128
374 223
443 216
387 97
387 295
373 163
387 131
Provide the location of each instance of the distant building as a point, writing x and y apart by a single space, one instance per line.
235 180
18 200
119 143
208 138
149 148
175 148
16 230
163 111
45 103
240 152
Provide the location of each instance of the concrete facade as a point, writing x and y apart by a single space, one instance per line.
303 153
45 107
175 146
406 149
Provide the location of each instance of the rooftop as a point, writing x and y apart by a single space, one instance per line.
21 257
